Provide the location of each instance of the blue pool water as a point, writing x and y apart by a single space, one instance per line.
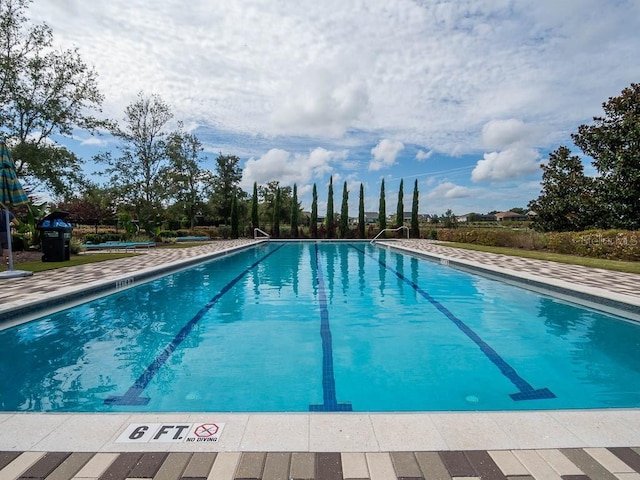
320 327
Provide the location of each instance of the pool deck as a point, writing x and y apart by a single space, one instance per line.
568 444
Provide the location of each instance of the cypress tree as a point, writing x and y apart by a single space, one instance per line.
330 226
344 212
294 212
276 213
400 208
361 233
382 209
314 213
255 222
415 225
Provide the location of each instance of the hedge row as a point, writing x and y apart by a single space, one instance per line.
609 244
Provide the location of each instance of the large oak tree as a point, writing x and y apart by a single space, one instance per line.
44 92
613 141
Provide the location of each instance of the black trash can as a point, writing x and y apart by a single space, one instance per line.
55 237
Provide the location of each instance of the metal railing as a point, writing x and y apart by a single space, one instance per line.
257 230
403 227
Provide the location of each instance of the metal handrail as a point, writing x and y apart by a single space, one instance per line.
255 233
390 230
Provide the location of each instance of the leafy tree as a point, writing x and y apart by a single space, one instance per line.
44 91
225 185
361 231
382 209
139 172
566 202
295 211
314 213
415 224
276 214
449 219
613 141
400 208
234 218
268 194
185 178
255 221
329 217
93 206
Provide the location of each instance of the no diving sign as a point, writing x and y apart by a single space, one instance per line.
171 432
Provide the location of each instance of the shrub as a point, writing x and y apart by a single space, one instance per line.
75 246
224 231
610 244
104 237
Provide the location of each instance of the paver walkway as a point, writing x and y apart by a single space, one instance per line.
611 458
604 280
564 464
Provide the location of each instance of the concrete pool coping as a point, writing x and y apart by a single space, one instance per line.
324 432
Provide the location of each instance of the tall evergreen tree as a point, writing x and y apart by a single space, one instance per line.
276 214
400 208
415 224
255 219
313 225
329 218
234 218
566 202
361 231
344 212
294 212
382 209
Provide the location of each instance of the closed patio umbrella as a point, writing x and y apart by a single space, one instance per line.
11 194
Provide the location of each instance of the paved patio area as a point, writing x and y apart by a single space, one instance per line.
602 444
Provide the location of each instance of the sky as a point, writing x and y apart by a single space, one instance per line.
466 97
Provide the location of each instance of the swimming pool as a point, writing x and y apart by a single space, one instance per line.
320 327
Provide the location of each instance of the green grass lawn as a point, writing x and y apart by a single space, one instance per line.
40 266
616 265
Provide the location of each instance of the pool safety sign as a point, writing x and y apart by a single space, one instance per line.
207 432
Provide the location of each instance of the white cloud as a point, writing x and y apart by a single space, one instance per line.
471 77
94 141
498 134
514 155
507 164
449 190
435 71
289 168
321 103
385 154
422 155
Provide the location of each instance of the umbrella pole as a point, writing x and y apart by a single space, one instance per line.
9 239
10 272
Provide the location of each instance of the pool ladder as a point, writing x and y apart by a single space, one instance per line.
257 230
402 227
